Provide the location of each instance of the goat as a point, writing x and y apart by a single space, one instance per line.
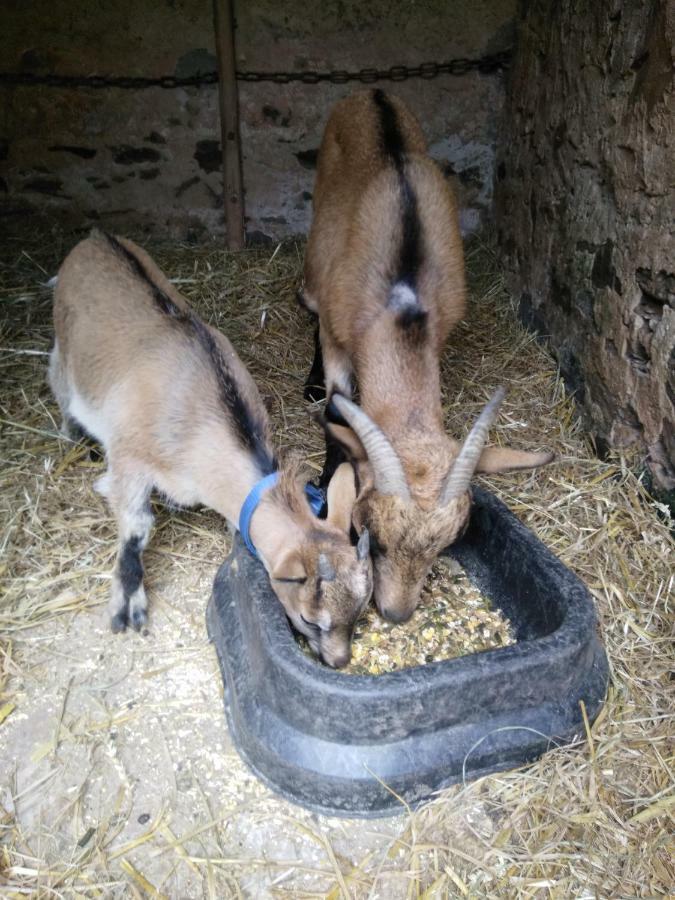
384 273
177 411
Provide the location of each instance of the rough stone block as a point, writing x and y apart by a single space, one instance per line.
586 208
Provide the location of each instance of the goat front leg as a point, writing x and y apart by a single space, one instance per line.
337 367
129 495
338 377
331 369
335 456
315 385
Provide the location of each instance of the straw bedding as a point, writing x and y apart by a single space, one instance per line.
117 775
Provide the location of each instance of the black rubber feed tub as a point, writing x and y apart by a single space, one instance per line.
348 744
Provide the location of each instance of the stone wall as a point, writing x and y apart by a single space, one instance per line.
152 158
586 209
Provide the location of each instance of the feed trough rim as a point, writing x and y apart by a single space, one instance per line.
290 659
350 745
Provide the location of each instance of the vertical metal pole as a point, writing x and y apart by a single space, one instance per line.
233 192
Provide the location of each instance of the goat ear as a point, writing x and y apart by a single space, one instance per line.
347 439
341 496
503 459
290 568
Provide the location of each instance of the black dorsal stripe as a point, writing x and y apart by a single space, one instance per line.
413 323
393 147
163 301
249 427
390 133
410 253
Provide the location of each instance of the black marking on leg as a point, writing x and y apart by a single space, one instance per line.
96 454
130 567
315 386
139 618
119 621
79 432
73 428
336 452
333 414
335 456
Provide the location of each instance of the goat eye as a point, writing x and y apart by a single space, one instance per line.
312 625
291 580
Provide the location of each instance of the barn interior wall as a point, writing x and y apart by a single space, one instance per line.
151 158
585 209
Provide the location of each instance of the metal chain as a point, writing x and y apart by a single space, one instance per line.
485 65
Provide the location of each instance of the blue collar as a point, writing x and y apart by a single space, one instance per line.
314 497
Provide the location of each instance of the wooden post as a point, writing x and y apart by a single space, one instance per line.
233 192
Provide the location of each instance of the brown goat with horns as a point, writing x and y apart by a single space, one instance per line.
384 272
177 411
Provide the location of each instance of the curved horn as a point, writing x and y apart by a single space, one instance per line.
326 572
464 466
387 469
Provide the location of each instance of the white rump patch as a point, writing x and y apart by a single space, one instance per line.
401 297
93 420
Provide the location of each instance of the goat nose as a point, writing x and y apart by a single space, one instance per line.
397 616
338 660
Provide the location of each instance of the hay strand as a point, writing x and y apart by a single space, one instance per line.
133 727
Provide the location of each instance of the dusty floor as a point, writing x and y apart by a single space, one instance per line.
115 740
117 777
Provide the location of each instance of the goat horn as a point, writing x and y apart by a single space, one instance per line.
460 474
325 569
363 546
387 469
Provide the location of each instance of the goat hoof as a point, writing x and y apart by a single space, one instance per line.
139 618
119 622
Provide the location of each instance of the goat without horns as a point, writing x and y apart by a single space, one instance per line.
177 411
384 272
